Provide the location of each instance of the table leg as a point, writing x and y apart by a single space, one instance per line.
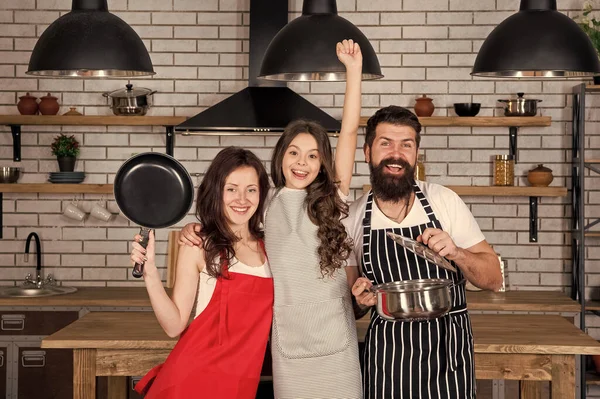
117 387
531 389
563 376
84 373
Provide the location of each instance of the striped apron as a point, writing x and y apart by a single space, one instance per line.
420 359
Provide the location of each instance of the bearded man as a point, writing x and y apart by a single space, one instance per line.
418 359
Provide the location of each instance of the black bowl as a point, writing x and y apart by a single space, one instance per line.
467 109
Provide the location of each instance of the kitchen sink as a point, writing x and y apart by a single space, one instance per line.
31 292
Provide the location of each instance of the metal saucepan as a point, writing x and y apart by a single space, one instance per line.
130 101
520 106
155 191
414 300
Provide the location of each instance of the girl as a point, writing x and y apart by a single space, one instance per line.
220 354
314 345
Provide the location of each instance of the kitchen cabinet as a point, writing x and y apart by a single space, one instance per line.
44 373
29 371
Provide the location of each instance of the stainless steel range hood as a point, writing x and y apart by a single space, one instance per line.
264 106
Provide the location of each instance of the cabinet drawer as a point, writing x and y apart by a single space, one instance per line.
35 322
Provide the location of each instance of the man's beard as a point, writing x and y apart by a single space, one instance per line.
392 188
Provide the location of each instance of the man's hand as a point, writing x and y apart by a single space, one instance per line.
189 235
439 241
360 290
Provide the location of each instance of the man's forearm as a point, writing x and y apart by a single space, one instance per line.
482 269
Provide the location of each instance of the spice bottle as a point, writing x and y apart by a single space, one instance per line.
504 170
420 168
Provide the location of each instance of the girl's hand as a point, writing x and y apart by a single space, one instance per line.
146 256
348 52
189 235
360 290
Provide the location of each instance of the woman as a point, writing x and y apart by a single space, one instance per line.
220 354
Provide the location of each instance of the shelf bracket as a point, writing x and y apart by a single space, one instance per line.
512 149
170 139
533 219
16 133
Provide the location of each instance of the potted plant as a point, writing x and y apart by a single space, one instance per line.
591 26
66 149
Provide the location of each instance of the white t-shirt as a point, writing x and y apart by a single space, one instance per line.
207 284
455 217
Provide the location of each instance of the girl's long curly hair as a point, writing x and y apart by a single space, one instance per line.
217 238
325 207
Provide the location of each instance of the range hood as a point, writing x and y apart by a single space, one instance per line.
264 106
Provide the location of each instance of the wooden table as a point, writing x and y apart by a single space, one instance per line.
507 346
526 301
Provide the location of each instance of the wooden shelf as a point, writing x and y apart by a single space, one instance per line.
592 161
592 378
483 121
56 188
503 191
89 120
592 305
592 234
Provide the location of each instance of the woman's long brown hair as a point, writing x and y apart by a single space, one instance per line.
217 238
325 207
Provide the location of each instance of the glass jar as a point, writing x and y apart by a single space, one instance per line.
504 170
420 168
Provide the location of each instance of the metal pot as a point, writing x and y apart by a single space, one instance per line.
130 101
520 106
414 300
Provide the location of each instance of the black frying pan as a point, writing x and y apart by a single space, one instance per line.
155 191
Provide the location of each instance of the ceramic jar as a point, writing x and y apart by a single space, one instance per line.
424 106
27 105
540 176
49 105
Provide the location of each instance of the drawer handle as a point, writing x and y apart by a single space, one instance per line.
1 358
13 322
134 381
33 359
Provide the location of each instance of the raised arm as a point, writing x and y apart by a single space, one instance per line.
172 313
349 54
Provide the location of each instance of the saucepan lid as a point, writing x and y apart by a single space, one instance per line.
421 250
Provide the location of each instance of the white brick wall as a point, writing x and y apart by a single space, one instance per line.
199 49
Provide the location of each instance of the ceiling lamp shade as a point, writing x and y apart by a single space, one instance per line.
90 42
537 42
305 48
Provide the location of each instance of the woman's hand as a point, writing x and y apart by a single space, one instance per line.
360 290
189 235
348 52
146 256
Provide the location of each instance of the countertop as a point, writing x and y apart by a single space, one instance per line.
502 333
535 301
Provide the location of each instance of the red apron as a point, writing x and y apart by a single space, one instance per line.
220 354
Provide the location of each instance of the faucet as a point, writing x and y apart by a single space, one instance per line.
38 269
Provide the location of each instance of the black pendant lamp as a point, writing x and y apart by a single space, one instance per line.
90 42
305 48
537 42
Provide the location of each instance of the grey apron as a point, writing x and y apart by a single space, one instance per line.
313 345
421 359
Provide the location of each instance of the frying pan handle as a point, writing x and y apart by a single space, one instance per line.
138 268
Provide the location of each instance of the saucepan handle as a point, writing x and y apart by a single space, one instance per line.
459 282
138 268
